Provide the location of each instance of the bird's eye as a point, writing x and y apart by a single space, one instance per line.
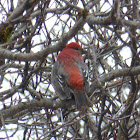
76 48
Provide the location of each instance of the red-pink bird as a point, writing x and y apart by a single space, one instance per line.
70 76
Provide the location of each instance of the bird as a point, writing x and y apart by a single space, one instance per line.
69 76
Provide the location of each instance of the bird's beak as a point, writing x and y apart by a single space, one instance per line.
82 51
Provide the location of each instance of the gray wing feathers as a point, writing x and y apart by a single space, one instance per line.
84 72
59 80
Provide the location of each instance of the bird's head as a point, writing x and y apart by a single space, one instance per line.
73 45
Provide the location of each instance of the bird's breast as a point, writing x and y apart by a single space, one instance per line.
76 81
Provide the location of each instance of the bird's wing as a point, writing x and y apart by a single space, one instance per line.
59 80
84 73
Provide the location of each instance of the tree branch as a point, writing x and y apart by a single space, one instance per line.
35 105
50 49
114 74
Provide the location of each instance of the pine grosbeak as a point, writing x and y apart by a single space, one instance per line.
70 77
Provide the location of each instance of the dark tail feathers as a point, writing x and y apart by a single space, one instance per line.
82 101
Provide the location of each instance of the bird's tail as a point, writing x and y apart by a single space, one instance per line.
82 101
